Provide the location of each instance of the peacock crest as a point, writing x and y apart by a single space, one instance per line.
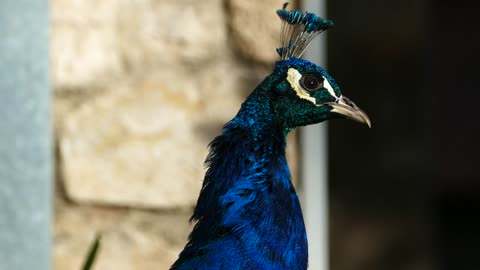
298 30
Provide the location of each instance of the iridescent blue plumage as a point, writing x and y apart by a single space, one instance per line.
248 214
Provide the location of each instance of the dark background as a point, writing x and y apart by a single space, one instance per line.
406 193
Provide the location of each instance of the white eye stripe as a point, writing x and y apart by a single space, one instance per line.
329 88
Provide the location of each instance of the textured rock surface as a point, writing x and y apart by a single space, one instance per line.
83 42
143 143
158 34
95 42
255 28
131 239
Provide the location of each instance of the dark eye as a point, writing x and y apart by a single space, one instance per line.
310 83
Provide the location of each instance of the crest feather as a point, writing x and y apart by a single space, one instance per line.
298 31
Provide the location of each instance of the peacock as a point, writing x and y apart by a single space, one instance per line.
248 214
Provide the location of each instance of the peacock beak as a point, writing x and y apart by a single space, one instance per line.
347 108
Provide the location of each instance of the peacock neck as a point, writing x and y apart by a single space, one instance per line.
247 193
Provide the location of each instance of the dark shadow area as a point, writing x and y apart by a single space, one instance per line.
405 194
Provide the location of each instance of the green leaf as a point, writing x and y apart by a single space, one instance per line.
92 253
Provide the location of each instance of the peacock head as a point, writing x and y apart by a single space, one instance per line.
303 92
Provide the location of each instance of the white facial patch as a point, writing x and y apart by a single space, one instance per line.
293 77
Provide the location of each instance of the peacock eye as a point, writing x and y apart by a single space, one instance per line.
310 83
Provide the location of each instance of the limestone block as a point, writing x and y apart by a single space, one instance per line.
157 33
83 43
83 12
96 42
255 28
131 239
133 149
144 143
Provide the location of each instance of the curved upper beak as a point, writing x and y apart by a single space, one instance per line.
347 108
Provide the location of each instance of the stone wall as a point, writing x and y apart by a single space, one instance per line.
141 87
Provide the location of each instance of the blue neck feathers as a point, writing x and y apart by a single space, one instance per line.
248 214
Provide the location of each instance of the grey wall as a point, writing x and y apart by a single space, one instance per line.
25 138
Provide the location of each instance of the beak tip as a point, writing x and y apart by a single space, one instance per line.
367 121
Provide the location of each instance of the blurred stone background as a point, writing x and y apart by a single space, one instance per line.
140 89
